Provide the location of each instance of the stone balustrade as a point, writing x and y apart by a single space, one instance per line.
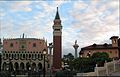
109 68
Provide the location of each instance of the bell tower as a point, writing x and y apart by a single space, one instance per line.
57 43
114 40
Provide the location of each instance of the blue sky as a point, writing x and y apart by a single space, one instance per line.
87 21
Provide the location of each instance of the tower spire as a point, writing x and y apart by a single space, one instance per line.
57 14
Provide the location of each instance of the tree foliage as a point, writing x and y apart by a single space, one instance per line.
100 55
87 64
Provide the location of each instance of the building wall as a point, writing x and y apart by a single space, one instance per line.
28 45
112 52
6 45
24 52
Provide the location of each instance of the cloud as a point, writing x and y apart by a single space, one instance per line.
80 5
21 6
94 24
86 21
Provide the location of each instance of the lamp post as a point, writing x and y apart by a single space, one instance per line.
15 72
44 53
0 59
50 50
30 68
30 71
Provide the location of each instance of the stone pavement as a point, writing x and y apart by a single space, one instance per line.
115 74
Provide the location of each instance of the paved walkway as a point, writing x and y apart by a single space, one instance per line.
115 74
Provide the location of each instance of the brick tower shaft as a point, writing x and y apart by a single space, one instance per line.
57 43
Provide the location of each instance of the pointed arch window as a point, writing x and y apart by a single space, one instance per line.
6 55
24 56
38 56
29 55
41 56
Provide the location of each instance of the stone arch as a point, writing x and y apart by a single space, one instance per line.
34 66
26 56
16 66
27 66
4 66
11 66
29 55
39 66
22 66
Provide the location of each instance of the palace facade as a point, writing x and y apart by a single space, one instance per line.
23 54
111 49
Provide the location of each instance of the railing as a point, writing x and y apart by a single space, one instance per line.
109 68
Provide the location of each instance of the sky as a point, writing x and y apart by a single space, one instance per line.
87 21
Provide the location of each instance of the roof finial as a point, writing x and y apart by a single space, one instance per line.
23 35
57 8
75 41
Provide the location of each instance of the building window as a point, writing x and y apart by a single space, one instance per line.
114 41
32 56
6 55
38 55
57 29
23 55
110 51
12 56
26 56
20 56
23 47
35 56
34 44
6 42
41 56
29 55
11 44
9 55
15 56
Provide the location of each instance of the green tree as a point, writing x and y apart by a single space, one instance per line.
100 58
68 59
87 64
83 64
100 55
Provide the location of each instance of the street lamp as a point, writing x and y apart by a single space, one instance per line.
50 50
0 59
15 72
30 71
44 53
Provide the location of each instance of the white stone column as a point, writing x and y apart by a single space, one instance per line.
114 65
96 70
106 66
